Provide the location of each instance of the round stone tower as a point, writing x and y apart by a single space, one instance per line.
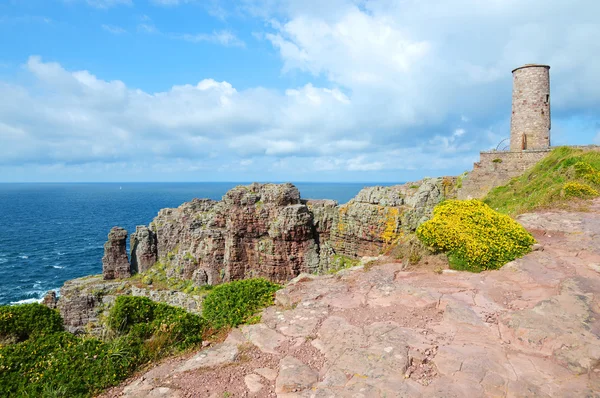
530 121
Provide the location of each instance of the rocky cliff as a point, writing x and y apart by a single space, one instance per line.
259 230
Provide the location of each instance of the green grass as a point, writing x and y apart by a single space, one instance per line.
543 185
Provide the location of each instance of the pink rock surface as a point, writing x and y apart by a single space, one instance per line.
530 329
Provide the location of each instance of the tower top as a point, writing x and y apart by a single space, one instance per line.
531 66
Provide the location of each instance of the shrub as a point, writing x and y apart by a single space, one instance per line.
18 322
583 168
128 311
234 303
167 327
62 363
579 190
474 236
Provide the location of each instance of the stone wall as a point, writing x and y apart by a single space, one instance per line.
530 120
495 169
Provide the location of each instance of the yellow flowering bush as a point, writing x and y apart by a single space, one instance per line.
474 236
579 190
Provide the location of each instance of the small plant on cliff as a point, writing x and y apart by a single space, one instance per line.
339 262
474 236
579 190
234 303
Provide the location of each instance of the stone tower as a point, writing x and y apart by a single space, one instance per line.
530 121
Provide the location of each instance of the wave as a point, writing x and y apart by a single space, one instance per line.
3 260
57 267
24 257
26 301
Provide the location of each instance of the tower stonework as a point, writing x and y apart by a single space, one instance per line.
530 120
529 135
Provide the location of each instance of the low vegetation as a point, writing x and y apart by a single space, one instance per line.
39 359
234 303
565 174
339 262
474 236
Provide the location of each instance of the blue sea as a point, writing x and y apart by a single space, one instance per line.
50 233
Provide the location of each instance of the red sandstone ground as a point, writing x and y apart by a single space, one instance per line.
530 329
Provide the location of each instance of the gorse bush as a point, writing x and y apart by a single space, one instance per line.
474 236
234 303
18 322
579 190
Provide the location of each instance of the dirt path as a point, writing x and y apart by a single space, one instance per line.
531 329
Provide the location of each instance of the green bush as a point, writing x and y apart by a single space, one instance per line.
128 311
18 322
168 327
234 303
474 236
66 364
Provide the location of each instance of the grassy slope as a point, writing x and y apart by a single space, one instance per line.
541 186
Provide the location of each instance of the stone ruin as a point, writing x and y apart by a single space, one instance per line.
529 134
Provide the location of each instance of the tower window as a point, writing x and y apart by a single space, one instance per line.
547 98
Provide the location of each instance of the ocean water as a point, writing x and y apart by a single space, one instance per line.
50 233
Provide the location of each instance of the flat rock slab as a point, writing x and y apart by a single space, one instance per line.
294 376
221 354
530 329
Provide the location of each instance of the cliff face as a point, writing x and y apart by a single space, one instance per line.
259 230
255 231
268 231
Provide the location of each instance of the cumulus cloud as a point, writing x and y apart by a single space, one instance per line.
406 89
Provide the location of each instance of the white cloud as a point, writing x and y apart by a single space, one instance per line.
74 118
115 30
404 88
223 37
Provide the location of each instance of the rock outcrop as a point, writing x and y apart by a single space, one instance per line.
143 249
377 216
115 264
50 300
259 230
266 230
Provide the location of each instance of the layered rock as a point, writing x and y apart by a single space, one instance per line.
266 230
260 230
378 216
115 264
144 252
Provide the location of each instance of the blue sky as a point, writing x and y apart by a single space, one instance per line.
266 90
